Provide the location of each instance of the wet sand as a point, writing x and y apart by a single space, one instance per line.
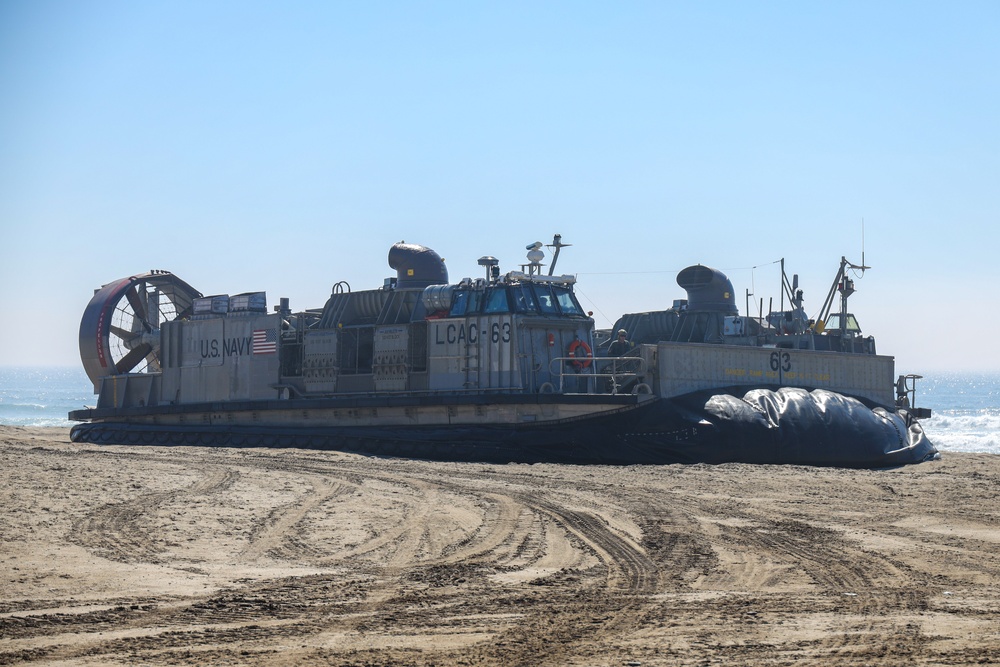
191 556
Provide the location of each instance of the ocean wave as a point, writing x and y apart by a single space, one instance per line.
959 431
7 407
28 413
33 423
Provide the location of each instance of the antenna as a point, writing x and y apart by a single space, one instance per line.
492 267
863 265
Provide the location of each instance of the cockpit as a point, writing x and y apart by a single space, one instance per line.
522 297
850 323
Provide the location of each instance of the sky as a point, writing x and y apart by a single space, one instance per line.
285 147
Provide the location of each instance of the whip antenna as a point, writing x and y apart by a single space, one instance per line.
863 265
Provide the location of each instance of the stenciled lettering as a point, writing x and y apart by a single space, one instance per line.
231 347
209 348
237 347
470 333
500 332
458 333
782 360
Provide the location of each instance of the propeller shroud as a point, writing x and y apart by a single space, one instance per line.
119 332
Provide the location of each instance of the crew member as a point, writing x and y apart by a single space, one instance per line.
621 345
618 348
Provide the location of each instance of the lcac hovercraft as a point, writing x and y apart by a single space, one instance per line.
501 368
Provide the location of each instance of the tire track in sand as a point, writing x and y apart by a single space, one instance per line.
116 531
417 569
861 588
280 534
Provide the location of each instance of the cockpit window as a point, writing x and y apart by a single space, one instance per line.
496 301
464 303
521 298
524 299
567 302
459 304
850 323
546 301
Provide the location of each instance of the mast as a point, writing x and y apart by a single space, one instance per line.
845 286
557 244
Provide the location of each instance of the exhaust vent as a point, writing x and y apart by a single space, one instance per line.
709 290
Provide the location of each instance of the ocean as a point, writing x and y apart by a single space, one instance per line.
966 406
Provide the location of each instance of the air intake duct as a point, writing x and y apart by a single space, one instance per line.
709 290
417 266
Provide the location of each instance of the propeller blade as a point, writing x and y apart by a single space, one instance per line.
138 308
123 334
132 359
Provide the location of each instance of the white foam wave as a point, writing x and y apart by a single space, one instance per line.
957 432
16 407
37 421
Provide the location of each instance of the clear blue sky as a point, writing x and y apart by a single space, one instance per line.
285 146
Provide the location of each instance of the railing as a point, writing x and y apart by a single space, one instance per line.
597 375
906 396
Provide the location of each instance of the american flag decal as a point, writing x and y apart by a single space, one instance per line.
265 341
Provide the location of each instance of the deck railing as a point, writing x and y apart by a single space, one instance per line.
598 375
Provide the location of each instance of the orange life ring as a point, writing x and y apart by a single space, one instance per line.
581 362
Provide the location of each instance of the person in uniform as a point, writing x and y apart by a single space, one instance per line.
621 345
618 348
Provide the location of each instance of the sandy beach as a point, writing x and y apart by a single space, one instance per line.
191 556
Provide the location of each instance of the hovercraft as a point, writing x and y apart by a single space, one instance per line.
507 367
